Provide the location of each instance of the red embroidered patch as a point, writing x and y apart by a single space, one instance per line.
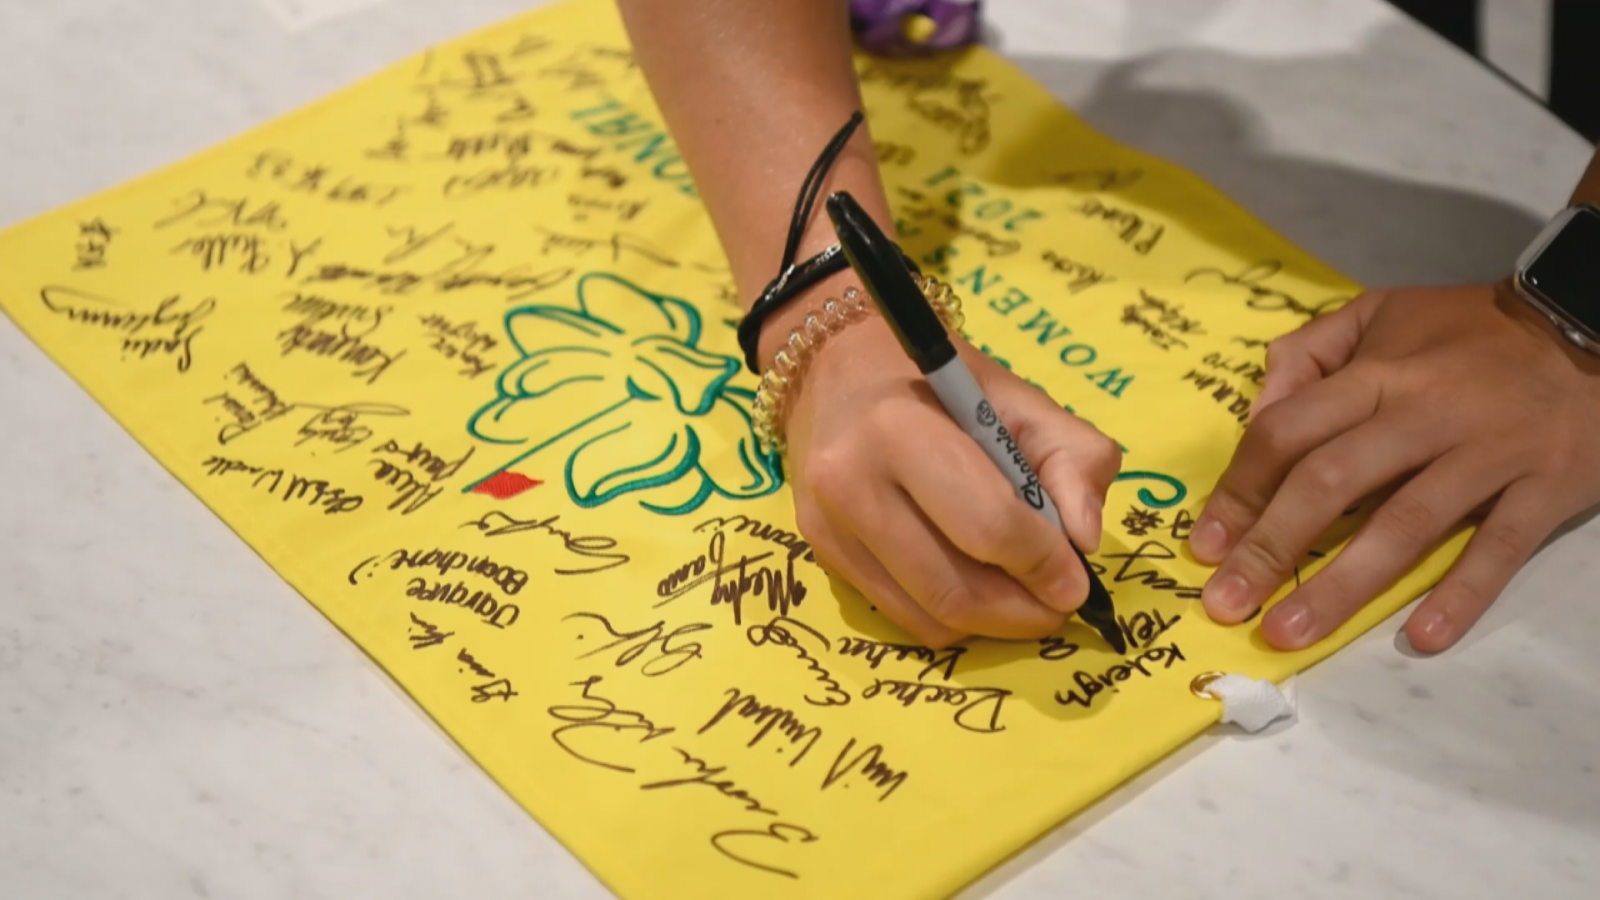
505 485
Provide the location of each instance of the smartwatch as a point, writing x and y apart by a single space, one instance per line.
1559 274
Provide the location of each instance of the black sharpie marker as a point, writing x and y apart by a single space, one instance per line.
922 335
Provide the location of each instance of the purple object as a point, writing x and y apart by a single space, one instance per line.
880 24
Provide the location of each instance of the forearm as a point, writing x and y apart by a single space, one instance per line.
752 91
1588 189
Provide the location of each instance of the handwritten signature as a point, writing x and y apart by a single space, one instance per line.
703 776
875 652
969 712
587 546
672 651
782 589
1259 295
599 712
1092 684
767 719
781 632
102 312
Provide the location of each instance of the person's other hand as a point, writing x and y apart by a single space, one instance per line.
895 498
1464 397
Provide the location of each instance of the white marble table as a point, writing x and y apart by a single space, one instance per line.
175 721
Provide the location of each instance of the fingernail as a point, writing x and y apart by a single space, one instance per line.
1066 595
1295 620
1228 595
1092 520
1434 625
1209 540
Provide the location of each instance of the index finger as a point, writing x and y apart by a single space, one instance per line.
1273 444
963 494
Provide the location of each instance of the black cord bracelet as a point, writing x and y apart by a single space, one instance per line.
794 279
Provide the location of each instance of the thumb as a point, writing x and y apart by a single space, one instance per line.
1316 350
1074 461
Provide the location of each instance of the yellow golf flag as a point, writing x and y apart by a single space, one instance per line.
453 350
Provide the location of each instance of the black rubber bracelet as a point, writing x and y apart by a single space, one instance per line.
793 279
801 278
778 294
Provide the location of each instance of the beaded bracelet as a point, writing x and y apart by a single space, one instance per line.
780 383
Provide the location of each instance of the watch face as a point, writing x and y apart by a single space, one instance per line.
1567 273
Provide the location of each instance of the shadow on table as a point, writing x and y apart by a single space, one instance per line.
1374 228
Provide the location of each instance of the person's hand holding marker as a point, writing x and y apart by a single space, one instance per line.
895 498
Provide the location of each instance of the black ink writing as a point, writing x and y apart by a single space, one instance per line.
791 731
286 486
599 713
414 473
1143 629
704 776
342 425
618 243
461 341
977 708
590 547
875 652
94 239
508 578
470 662
216 250
1091 684
1248 369
869 764
368 360
1259 295
491 611
104 313
224 212
1152 579
499 689
671 648
956 105
1056 649
1140 521
314 309
279 167
732 581
1100 179
1080 275
921 210
260 404
1182 524
1130 226
514 145
583 207
1161 320
425 634
742 524
1227 395
782 832
782 632
510 176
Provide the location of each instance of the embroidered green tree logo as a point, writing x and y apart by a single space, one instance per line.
619 384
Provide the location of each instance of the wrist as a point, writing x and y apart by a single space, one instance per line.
818 236
811 354
776 329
